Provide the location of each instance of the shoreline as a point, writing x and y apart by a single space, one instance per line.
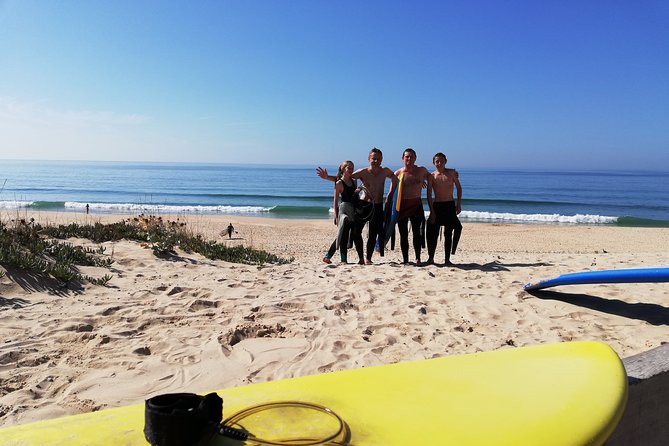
193 324
504 237
625 221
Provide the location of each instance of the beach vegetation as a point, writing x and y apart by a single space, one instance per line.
163 237
24 246
27 245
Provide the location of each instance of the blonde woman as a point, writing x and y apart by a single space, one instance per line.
345 188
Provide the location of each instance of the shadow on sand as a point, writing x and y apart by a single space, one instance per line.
14 302
39 283
492 266
652 313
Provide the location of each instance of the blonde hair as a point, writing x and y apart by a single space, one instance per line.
342 166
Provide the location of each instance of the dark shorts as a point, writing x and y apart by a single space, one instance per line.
411 207
445 214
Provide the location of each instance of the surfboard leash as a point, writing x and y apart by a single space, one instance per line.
186 418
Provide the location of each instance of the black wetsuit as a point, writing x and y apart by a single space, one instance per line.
376 232
366 211
411 210
446 217
348 195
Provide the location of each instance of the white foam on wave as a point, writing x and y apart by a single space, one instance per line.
223 209
14 204
538 218
578 219
167 209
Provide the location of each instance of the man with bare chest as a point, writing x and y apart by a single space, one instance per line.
444 210
411 206
373 180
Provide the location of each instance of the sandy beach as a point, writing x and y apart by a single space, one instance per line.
192 324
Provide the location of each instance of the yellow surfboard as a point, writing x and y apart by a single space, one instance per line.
556 394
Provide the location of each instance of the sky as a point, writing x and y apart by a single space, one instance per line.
564 84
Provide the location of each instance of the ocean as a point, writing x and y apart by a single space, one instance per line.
510 196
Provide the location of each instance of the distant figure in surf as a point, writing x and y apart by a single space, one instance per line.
87 208
231 229
444 209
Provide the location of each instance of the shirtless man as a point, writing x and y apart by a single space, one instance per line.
443 209
411 206
373 180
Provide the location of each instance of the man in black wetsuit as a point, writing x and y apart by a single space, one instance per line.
444 209
411 206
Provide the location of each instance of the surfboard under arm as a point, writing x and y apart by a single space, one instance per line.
393 215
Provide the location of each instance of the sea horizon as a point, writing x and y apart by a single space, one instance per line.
358 165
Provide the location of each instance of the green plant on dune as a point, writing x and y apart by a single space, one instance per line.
30 246
23 247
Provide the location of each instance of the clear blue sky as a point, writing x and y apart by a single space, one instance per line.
580 84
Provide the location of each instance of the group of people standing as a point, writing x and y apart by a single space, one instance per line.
355 206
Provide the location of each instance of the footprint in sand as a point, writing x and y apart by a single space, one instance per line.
177 290
246 331
143 351
202 304
109 311
80 328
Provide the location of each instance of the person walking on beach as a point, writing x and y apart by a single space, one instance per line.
411 206
346 188
444 210
231 229
373 180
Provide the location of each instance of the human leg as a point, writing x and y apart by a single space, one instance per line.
448 233
343 242
331 251
454 226
457 231
417 218
375 232
403 227
432 236
417 233
356 234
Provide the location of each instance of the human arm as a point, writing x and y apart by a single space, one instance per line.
323 173
458 187
335 204
426 177
358 174
394 181
430 187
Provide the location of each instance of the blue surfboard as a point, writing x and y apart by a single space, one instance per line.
393 215
638 275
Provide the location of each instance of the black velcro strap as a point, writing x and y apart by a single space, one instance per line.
177 419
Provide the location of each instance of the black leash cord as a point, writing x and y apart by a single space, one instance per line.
236 418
